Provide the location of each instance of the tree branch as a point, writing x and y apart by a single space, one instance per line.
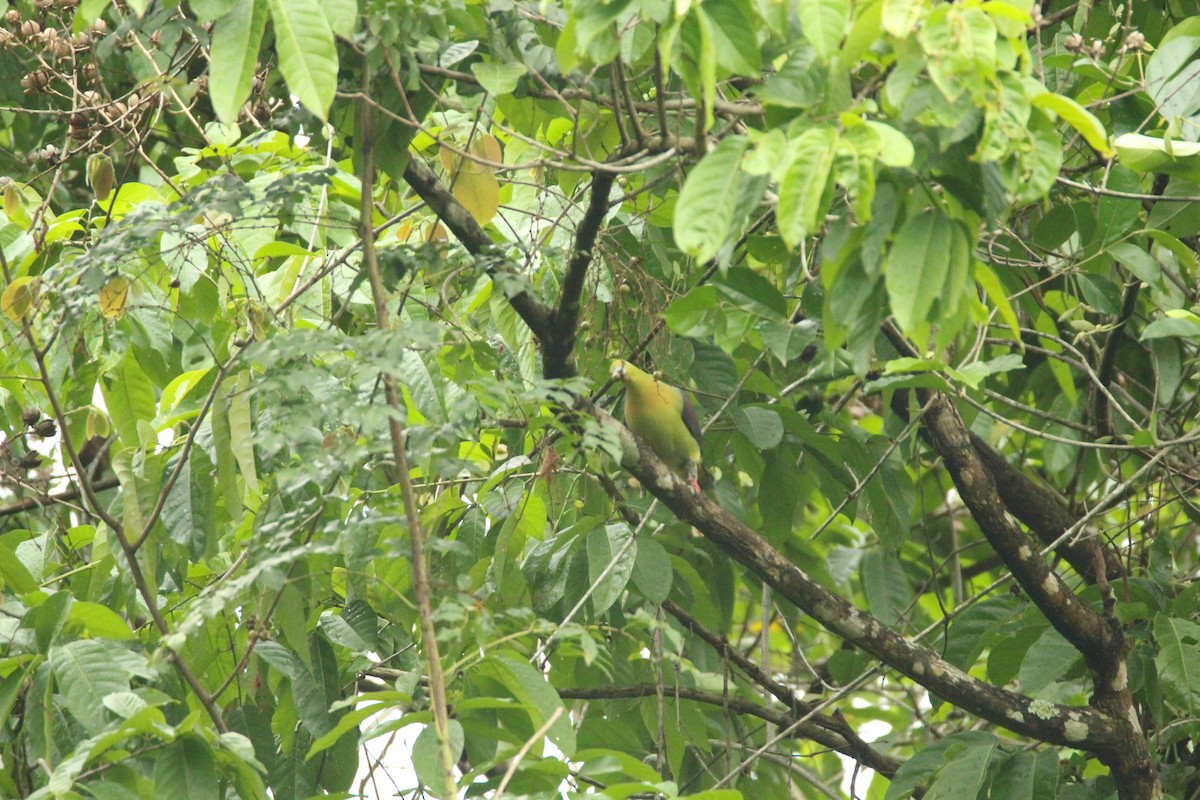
1034 505
1083 728
477 242
1098 637
401 471
782 719
835 732
39 501
558 345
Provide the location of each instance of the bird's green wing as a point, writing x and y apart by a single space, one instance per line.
690 418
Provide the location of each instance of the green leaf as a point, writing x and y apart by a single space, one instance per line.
185 770
426 755
824 24
785 340
1044 323
279 657
242 433
342 16
1178 661
1171 71
733 34
914 771
129 397
1173 327
752 291
990 283
498 78
917 266
87 673
652 573
208 10
1027 776
99 621
885 586
705 207
964 774
895 150
604 546
1046 661
13 573
1079 118
800 209
1137 261
538 697
307 53
689 315
186 510
762 426
900 16
1143 154
1184 254
960 44
236 39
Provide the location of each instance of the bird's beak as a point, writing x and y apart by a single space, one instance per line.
618 370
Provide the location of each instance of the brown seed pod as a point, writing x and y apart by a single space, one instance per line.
59 48
36 81
91 72
13 17
80 126
46 428
31 416
29 29
90 98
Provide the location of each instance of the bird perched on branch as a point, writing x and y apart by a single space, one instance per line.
664 418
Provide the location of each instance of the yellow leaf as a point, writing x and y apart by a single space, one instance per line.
100 175
487 148
19 297
113 296
479 193
404 230
12 200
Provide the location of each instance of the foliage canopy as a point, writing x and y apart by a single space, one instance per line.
306 310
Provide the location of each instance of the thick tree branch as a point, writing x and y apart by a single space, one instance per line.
475 239
1047 515
1080 625
1082 728
558 346
1036 506
1098 637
